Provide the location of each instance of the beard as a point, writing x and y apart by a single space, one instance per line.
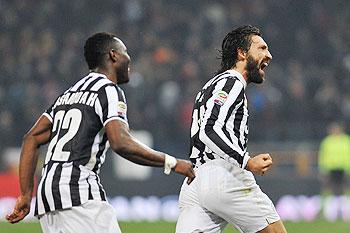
123 73
253 71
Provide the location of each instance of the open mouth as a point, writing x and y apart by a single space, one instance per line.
264 65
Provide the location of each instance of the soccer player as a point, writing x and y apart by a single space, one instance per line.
80 126
225 190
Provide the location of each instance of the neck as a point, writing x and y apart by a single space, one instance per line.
108 72
241 68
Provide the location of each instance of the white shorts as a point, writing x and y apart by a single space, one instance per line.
90 217
223 193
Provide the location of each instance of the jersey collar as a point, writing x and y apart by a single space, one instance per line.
99 74
239 76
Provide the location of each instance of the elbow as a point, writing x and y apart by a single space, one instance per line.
26 137
121 145
29 139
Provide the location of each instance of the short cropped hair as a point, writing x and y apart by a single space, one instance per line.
240 38
96 47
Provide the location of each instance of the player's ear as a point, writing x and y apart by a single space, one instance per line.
241 54
113 55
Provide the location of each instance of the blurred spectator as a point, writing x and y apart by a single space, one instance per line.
9 176
334 159
174 47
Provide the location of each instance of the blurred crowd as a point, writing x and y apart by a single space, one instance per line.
174 50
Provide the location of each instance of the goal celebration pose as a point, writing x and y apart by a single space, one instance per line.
225 190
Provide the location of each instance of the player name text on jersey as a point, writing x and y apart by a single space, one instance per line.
81 97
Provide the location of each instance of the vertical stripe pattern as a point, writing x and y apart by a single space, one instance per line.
219 121
79 143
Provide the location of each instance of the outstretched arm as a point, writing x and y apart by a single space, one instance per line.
38 135
123 143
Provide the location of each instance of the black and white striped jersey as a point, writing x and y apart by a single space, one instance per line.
78 143
219 127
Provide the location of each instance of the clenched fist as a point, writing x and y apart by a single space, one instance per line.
259 164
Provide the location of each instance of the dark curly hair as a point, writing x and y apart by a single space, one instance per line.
240 38
96 47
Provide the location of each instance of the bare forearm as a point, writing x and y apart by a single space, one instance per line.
141 161
27 166
139 153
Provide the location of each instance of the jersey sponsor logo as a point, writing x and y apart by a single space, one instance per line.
220 98
122 109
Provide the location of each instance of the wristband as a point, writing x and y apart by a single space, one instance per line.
169 163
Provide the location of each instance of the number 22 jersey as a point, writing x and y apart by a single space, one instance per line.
78 143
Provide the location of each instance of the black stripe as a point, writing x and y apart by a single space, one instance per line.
239 99
101 148
90 192
227 88
222 145
237 123
214 136
210 156
87 79
120 94
102 193
93 83
74 185
43 195
55 187
205 95
104 103
218 77
36 207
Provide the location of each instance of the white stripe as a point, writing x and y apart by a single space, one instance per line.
94 150
115 118
232 97
87 83
48 116
83 184
112 99
100 185
243 124
48 186
95 190
99 84
234 92
79 83
230 126
218 77
103 156
98 109
64 185
41 208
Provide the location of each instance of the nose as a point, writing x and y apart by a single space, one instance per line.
269 55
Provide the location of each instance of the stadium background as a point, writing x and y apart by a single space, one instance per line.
173 47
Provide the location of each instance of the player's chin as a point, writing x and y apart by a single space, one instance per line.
262 75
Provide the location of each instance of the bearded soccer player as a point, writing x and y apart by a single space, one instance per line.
80 126
225 190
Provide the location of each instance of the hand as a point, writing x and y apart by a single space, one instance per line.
20 210
184 167
259 164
